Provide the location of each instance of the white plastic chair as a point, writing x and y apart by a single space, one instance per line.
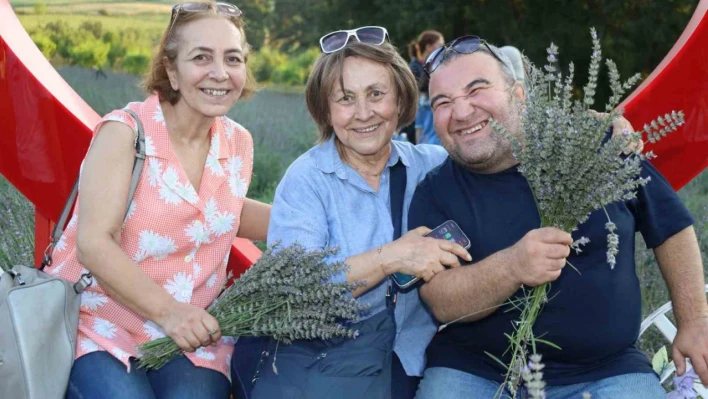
668 330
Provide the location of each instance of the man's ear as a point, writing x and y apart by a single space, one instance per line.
519 91
171 73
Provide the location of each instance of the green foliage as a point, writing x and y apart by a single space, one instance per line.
266 61
40 8
136 63
96 41
94 28
307 58
289 25
44 43
117 49
130 49
260 16
652 26
63 35
89 53
288 74
90 45
272 65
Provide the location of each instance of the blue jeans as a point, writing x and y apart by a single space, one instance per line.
444 383
100 375
247 357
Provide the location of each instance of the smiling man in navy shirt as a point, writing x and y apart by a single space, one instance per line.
593 316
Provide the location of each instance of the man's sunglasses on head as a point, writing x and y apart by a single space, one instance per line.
335 41
462 45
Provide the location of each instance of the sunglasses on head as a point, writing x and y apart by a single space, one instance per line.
200 6
336 41
462 45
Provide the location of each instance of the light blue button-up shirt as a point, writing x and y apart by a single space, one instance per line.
322 202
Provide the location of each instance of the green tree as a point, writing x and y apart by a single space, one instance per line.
63 35
266 61
117 49
93 27
258 15
89 53
44 43
40 8
636 34
136 63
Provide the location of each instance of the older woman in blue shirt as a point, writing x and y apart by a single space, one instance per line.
338 195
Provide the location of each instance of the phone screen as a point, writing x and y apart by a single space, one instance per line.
447 231
450 231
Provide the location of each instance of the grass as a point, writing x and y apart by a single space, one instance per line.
16 227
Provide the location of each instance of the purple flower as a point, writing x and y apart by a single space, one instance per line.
684 386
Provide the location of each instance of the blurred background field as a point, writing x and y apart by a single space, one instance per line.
82 36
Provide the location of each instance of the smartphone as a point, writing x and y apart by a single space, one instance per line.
447 231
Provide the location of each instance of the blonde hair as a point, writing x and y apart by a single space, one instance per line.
328 70
156 79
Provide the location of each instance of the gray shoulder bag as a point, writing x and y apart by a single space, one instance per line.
39 314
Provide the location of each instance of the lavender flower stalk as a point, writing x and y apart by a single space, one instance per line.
532 375
571 166
286 294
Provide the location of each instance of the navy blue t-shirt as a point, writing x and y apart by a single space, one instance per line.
593 317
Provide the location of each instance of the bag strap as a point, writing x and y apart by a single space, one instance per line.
397 190
139 160
397 193
135 178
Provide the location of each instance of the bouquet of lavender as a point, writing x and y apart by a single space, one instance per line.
572 168
286 294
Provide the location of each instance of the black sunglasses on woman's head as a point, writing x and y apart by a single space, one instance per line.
462 45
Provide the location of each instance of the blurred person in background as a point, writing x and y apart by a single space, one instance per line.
427 42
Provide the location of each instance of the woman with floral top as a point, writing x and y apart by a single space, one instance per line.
157 271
